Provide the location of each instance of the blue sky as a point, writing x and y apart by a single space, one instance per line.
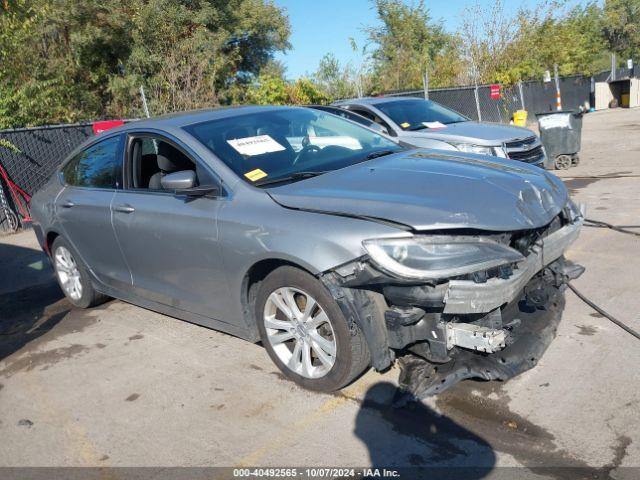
323 26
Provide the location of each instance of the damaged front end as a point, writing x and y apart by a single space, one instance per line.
469 305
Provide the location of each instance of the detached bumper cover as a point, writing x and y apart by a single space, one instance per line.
466 296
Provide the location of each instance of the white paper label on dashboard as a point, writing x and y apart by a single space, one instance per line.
251 146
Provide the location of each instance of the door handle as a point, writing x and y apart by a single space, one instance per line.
125 209
68 204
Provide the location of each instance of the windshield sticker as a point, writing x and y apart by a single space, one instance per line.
250 146
336 140
256 174
405 125
434 125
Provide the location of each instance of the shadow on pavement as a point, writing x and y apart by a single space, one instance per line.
31 302
417 441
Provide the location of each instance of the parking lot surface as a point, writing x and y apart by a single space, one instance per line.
119 385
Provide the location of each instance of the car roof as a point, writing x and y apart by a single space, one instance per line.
373 100
182 119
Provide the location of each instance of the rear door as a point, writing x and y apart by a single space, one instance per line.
170 241
83 209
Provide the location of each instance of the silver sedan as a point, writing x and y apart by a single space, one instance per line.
334 246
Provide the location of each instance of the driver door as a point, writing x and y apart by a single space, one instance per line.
170 242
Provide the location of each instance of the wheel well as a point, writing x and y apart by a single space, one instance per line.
256 274
51 237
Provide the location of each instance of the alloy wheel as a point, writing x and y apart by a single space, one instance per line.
300 332
68 273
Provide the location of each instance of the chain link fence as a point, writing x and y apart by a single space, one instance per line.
535 97
29 156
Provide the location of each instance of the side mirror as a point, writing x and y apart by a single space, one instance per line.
182 183
179 180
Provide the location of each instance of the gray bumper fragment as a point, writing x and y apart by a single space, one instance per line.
466 296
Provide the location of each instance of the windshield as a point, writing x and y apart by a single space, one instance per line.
419 114
288 144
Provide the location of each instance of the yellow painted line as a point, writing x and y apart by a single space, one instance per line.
288 435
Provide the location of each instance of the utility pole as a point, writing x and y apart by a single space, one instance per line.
426 83
521 95
558 97
475 91
144 101
614 67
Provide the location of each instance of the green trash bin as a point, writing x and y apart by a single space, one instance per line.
561 134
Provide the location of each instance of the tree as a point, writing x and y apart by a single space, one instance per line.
305 92
500 48
271 90
407 42
268 90
621 26
65 60
335 80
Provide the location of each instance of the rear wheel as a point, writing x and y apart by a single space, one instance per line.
73 276
305 332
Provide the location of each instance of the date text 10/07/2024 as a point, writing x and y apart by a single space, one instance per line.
315 472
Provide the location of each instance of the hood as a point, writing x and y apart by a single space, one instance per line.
489 134
428 190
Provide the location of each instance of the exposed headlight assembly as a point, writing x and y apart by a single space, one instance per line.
478 149
437 257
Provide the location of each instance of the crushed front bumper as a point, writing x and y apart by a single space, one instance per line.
537 328
461 328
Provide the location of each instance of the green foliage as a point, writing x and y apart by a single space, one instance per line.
574 42
304 92
273 90
335 80
494 46
621 26
268 90
408 42
4 143
65 60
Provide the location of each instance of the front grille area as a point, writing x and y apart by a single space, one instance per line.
528 150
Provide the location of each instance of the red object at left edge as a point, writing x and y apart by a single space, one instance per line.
99 127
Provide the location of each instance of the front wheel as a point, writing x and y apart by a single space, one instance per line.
305 333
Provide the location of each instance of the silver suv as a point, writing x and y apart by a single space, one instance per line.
427 124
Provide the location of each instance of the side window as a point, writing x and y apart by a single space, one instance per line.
152 158
374 118
364 113
96 167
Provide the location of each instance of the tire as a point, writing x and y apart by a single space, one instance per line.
563 162
84 297
351 357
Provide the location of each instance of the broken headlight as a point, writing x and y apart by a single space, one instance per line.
436 257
